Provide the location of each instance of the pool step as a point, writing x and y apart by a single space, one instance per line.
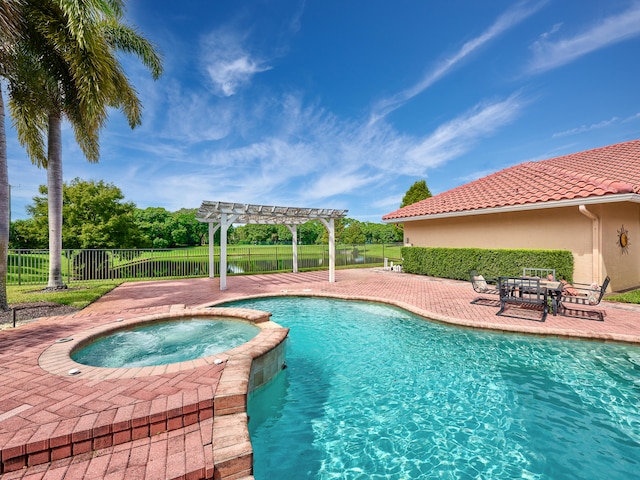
217 447
144 408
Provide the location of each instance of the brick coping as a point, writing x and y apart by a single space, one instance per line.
183 413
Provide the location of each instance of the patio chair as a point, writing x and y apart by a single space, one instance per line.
582 294
539 273
483 285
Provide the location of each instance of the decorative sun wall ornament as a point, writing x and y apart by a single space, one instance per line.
623 239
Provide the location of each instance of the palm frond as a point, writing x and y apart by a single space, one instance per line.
126 39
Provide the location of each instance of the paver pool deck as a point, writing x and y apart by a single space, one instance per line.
188 420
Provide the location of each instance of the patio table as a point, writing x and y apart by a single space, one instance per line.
554 291
550 288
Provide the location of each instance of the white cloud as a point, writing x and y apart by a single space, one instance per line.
596 126
553 30
339 183
227 62
457 136
632 118
613 29
504 22
315 156
388 202
586 128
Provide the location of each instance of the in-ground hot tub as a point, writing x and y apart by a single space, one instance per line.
165 341
233 333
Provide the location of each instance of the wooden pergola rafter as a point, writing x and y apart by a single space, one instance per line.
224 214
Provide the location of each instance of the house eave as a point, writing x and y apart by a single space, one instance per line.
574 202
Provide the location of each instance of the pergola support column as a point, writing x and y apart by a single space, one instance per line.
226 221
330 226
212 263
294 242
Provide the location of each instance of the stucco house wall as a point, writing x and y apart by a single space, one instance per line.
623 266
563 228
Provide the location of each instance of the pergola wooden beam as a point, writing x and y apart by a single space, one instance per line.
223 214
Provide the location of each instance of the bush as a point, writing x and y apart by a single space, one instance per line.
455 263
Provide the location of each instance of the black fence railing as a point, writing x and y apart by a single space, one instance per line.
31 267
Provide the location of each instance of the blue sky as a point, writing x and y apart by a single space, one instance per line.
345 104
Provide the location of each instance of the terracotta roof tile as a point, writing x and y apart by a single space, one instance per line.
610 170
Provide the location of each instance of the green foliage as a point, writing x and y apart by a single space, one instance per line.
455 263
353 233
310 233
93 214
24 234
257 234
164 229
418 191
381 233
153 223
186 230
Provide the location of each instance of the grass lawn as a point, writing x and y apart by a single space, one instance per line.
78 295
627 297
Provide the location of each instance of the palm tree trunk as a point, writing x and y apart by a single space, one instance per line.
5 212
54 196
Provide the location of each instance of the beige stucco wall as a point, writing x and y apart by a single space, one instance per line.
623 267
557 229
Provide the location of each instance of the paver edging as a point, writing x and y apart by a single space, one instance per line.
125 425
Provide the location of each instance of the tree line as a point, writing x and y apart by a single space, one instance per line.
96 215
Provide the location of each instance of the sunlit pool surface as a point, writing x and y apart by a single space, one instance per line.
373 392
160 343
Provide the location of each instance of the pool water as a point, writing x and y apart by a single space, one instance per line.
163 342
373 392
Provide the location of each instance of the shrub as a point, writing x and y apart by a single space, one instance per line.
455 263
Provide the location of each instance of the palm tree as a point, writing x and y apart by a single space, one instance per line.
4 210
68 69
10 22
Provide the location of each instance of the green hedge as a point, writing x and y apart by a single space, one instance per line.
455 263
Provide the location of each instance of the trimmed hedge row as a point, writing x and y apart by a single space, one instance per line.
455 263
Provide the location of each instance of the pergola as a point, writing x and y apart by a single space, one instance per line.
223 214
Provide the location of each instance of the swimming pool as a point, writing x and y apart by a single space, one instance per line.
162 342
374 392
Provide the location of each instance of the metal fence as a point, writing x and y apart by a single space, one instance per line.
31 267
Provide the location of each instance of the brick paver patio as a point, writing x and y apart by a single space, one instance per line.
189 422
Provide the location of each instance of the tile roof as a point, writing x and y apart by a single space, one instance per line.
614 169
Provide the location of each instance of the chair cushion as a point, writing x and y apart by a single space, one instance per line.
568 289
481 283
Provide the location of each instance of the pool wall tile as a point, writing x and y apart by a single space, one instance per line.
266 366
